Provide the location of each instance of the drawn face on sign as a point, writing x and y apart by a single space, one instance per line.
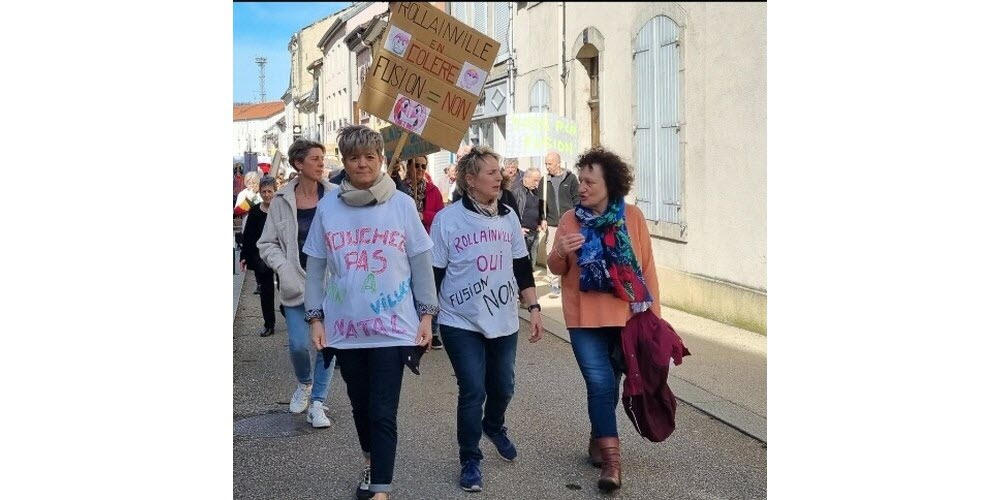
471 79
397 41
409 114
399 44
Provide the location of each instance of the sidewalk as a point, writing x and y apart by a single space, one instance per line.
725 375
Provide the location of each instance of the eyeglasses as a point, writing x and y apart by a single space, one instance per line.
421 165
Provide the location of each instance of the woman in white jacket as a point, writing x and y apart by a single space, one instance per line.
280 246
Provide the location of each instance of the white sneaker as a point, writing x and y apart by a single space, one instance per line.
556 291
300 399
317 415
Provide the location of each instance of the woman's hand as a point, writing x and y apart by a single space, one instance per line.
536 327
318 334
569 243
424 331
243 265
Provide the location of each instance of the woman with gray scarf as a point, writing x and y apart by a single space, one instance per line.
374 313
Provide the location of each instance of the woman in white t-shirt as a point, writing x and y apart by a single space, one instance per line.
375 310
480 264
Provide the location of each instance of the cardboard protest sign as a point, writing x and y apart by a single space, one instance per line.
415 145
427 73
535 134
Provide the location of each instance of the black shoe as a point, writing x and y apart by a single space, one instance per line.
266 332
363 492
436 342
257 291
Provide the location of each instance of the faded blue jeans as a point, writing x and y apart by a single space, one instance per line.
485 372
300 350
592 348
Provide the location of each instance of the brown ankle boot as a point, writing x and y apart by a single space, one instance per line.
595 454
611 469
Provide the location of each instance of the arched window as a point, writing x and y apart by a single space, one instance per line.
656 63
539 97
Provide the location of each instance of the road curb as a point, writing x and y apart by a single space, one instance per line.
237 291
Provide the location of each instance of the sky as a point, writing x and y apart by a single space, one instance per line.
264 29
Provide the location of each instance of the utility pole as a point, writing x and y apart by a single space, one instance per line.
261 61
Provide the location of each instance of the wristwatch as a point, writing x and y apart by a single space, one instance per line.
534 307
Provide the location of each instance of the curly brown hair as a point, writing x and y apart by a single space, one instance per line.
617 174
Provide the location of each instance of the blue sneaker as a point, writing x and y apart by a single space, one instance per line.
472 478
504 446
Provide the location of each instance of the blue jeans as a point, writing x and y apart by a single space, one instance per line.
299 349
374 377
592 348
485 372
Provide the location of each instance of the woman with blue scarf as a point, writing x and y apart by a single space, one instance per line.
604 254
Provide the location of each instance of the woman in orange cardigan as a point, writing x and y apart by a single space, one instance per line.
604 254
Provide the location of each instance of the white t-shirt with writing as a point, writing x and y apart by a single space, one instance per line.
369 301
479 291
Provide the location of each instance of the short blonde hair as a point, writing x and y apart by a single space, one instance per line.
354 139
471 163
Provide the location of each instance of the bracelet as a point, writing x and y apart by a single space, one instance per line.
534 307
426 309
561 256
314 314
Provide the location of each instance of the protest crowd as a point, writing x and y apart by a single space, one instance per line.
374 264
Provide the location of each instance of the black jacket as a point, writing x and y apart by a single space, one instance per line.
528 205
569 196
255 226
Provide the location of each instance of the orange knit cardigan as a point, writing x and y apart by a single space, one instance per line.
598 309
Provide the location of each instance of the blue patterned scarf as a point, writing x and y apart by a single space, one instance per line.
607 262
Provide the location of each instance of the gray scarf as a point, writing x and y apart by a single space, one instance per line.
489 210
379 193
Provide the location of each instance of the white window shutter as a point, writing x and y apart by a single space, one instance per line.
458 11
501 26
644 143
656 130
479 17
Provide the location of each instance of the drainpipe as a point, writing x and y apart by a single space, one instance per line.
562 61
512 62
350 87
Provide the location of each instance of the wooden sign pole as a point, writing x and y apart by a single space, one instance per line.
399 148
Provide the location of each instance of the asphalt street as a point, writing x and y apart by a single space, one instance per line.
277 455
